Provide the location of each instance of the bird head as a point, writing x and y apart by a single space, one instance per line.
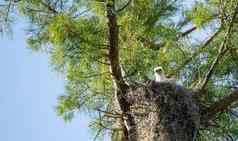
159 70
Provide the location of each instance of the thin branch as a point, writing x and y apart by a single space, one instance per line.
101 62
100 128
202 84
110 114
221 105
211 38
125 6
82 13
180 49
196 53
188 31
105 127
8 10
95 75
156 46
222 51
185 22
98 133
101 1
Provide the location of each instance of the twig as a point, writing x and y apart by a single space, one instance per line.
109 114
188 31
125 6
81 13
95 75
98 133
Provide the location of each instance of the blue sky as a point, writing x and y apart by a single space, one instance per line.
28 93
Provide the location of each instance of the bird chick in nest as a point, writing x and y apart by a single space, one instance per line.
160 75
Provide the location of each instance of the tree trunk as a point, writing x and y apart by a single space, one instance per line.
155 112
162 112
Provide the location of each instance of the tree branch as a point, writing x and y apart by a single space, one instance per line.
110 114
189 59
202 84
114 49
222 51
120 86
125 6
221 105
188 31
152 45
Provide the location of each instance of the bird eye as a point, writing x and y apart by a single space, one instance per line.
159 70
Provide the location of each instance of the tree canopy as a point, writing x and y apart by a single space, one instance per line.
194 41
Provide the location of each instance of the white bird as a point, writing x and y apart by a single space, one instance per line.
159 74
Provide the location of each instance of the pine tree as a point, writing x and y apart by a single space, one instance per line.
107 48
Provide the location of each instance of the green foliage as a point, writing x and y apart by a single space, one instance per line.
201 14
75 35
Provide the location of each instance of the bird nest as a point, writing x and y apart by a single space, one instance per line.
163 111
